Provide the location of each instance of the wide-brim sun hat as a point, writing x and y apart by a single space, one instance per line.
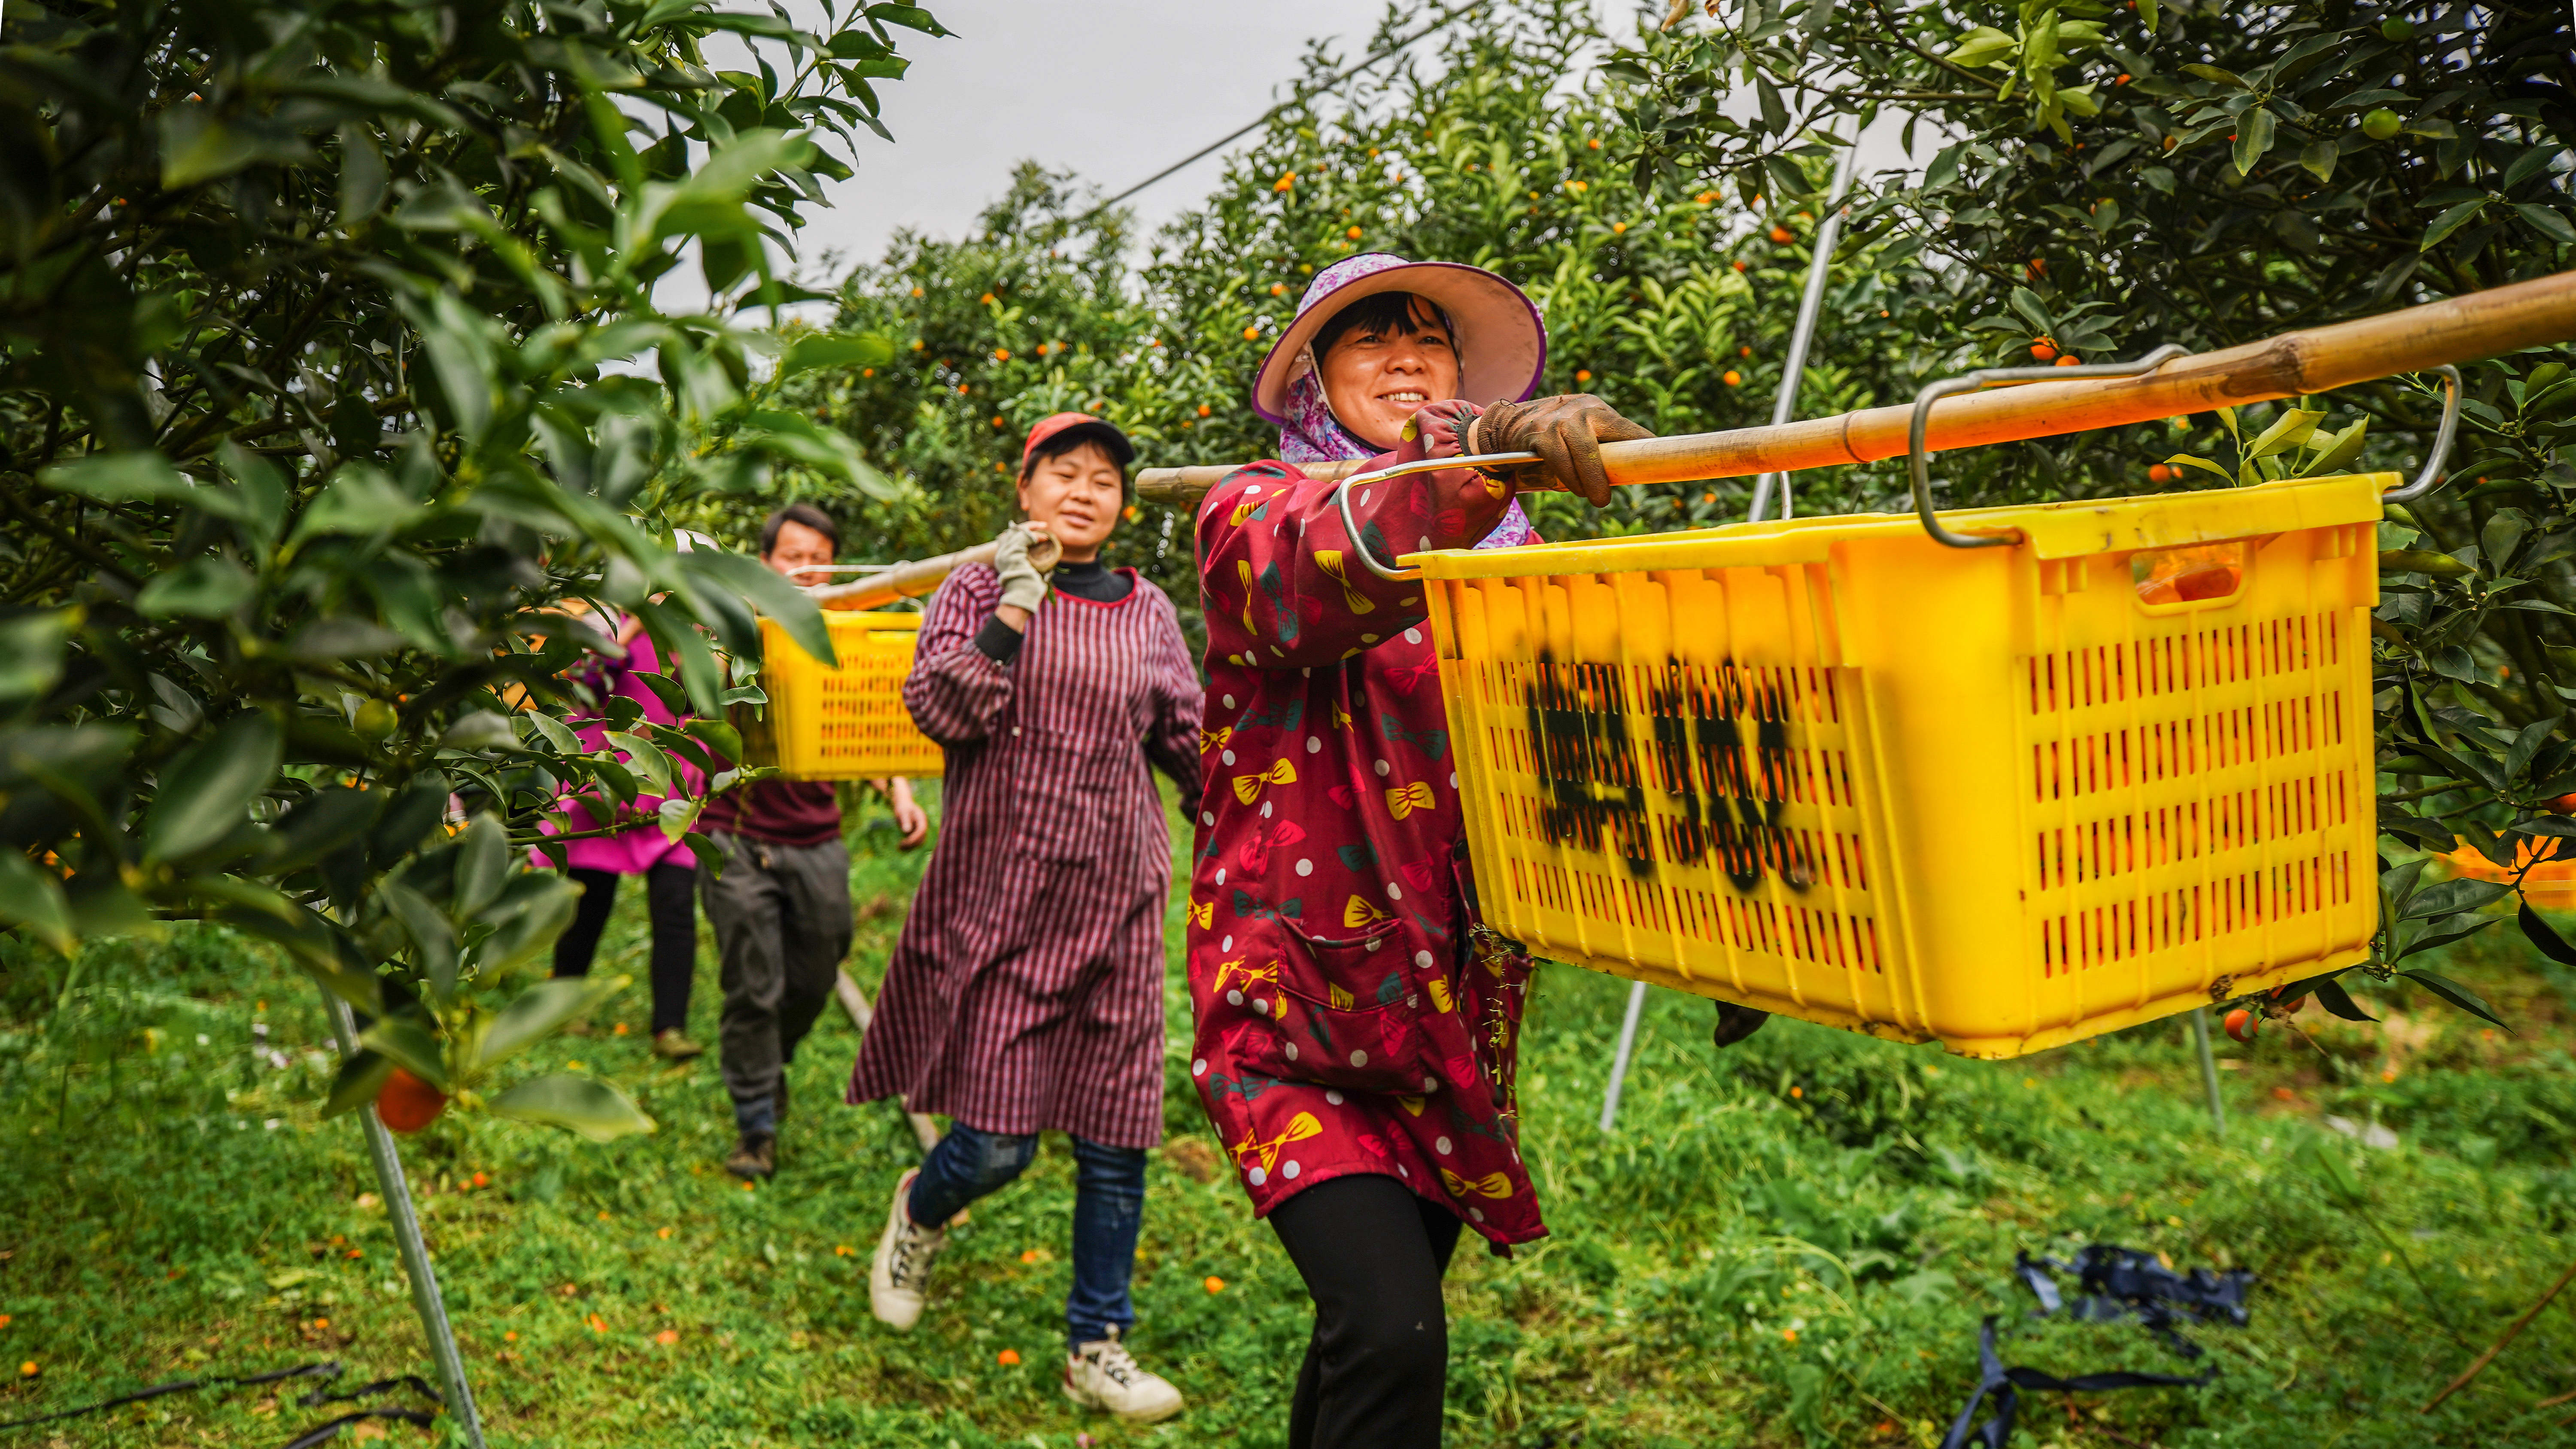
1502 341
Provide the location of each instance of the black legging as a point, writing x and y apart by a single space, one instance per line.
1372 1255
671 899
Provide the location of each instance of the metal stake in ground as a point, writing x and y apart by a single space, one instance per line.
2208 1070
425 1299
1619 1063
1793 368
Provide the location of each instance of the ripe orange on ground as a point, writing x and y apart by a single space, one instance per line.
1007 1357
667 1337
1215 1284
407 1104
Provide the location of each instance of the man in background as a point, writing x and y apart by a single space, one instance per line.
780 907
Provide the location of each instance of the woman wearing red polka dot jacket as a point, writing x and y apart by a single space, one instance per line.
1356 1022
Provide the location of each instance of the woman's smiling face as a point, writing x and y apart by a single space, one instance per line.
1376 381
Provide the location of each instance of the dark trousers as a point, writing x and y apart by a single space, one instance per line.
781 915
1372 1255
1108 1208
675 934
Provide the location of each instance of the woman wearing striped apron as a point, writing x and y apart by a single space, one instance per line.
1026 993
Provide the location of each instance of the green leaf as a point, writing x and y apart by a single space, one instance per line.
2319 158
2186 460
2253 137
207 791
406 1039
482 863
2213 73
2417 561
209 586
2327 1162
32 897
553 732
433 939
2339 449
2454 993
361 1077
2288 430
767 591
2332 996
2549 221
361 501
911 17
1981 47
806 354
536 1013
2544 937
31 652
120 478
2450 221
585 1105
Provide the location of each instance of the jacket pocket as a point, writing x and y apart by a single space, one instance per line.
1067 810
1334 1013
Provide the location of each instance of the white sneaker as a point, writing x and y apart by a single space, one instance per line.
1103 1375
899 1275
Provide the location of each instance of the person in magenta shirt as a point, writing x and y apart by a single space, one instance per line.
597 862
780 907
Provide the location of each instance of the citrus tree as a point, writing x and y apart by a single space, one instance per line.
332 391
1675 308
2107 178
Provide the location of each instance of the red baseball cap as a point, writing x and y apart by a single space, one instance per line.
1091 429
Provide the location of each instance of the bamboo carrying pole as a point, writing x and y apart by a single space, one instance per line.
2294 364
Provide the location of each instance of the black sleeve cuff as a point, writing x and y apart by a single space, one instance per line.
998 641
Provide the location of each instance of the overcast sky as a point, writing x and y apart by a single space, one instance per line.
1112 90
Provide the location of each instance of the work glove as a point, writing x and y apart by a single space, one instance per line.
1018 553
1566 432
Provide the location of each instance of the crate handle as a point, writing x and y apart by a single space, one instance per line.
2432 473
1920 467
1342 498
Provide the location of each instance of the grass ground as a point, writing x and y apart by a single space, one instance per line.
1789 1243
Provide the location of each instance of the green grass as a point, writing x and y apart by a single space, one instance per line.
1790 1243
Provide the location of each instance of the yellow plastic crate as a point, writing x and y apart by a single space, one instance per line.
846 722
2001 798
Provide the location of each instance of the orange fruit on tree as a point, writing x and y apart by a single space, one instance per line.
407 1104
2564 804
2242 1024
1739 266
2069 359
2043 349
1733 378
1744 352
2159 473
1781 235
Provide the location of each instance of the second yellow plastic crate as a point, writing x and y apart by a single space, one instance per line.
2001 798
846 722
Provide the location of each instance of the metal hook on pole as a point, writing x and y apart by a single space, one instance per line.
1918 462
2442 436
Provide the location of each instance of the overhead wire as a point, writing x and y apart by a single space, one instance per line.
1301 97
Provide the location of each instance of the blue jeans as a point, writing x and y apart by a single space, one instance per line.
1108 1207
